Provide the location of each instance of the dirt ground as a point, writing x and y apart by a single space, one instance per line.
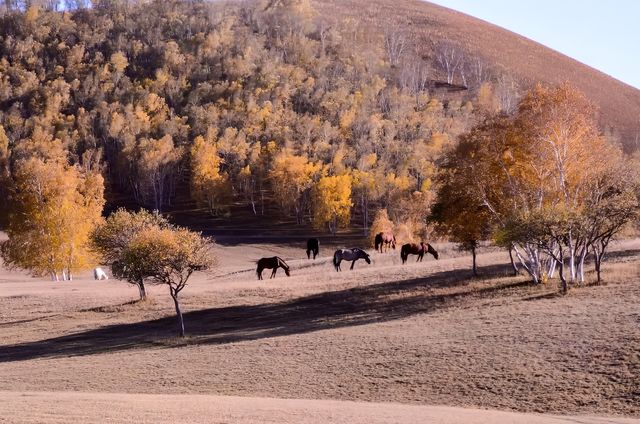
419 334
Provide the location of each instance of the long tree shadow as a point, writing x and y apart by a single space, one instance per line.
334 309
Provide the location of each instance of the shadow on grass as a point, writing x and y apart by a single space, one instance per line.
333 309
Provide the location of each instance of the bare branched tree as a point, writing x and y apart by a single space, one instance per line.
449 58
414 77
396 42
474 71
507 91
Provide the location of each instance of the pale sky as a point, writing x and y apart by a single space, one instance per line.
602 34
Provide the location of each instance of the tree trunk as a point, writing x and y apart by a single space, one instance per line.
174 296
583 254
552 269
253 202
532 269
365 215
513 263
142 290
597 261
565 287
572 258
475 267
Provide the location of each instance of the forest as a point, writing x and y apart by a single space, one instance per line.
268 106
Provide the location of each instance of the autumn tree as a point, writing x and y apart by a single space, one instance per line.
292 178
111 239
534 174
168 256
332 202
457 212
209 185
53 208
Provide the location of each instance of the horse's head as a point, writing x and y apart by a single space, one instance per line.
286 271
366 257
431 250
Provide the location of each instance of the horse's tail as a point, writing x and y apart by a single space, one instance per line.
403 253
335 259
378 240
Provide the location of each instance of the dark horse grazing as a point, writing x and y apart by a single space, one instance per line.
416 249
272 263
386 240
349 255
313 246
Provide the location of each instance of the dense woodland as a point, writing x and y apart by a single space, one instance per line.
224 103
261 104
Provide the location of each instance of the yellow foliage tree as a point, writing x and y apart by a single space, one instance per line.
209 185
332 202
54 207
381 223
292 177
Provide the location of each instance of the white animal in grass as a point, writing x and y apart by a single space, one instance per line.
99 274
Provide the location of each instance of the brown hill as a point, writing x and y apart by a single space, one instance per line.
524 59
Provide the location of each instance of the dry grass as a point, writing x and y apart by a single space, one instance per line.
421 333
502 49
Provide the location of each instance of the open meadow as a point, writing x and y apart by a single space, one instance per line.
390 339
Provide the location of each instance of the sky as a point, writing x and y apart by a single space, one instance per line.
602 34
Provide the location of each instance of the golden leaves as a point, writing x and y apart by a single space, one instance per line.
119 61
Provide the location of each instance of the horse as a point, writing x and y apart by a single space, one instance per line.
272 263
349 255
99 274
386 240
417 249
313 246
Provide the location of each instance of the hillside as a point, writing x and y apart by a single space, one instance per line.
263 115
525 59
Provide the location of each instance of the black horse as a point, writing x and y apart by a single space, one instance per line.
272 263
417 249
313 246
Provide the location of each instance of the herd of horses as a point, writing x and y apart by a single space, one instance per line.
383 241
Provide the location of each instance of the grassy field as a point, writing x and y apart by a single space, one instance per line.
419 334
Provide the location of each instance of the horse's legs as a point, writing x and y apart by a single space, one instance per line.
420 257
353 263
259 273
273 274
309 254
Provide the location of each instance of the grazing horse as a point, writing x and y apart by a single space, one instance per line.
349 255
272 263
99 274
386 240
416 249
313 245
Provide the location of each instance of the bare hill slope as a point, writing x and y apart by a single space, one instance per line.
525 59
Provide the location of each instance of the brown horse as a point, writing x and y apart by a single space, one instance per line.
272 263
416 249
386 240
